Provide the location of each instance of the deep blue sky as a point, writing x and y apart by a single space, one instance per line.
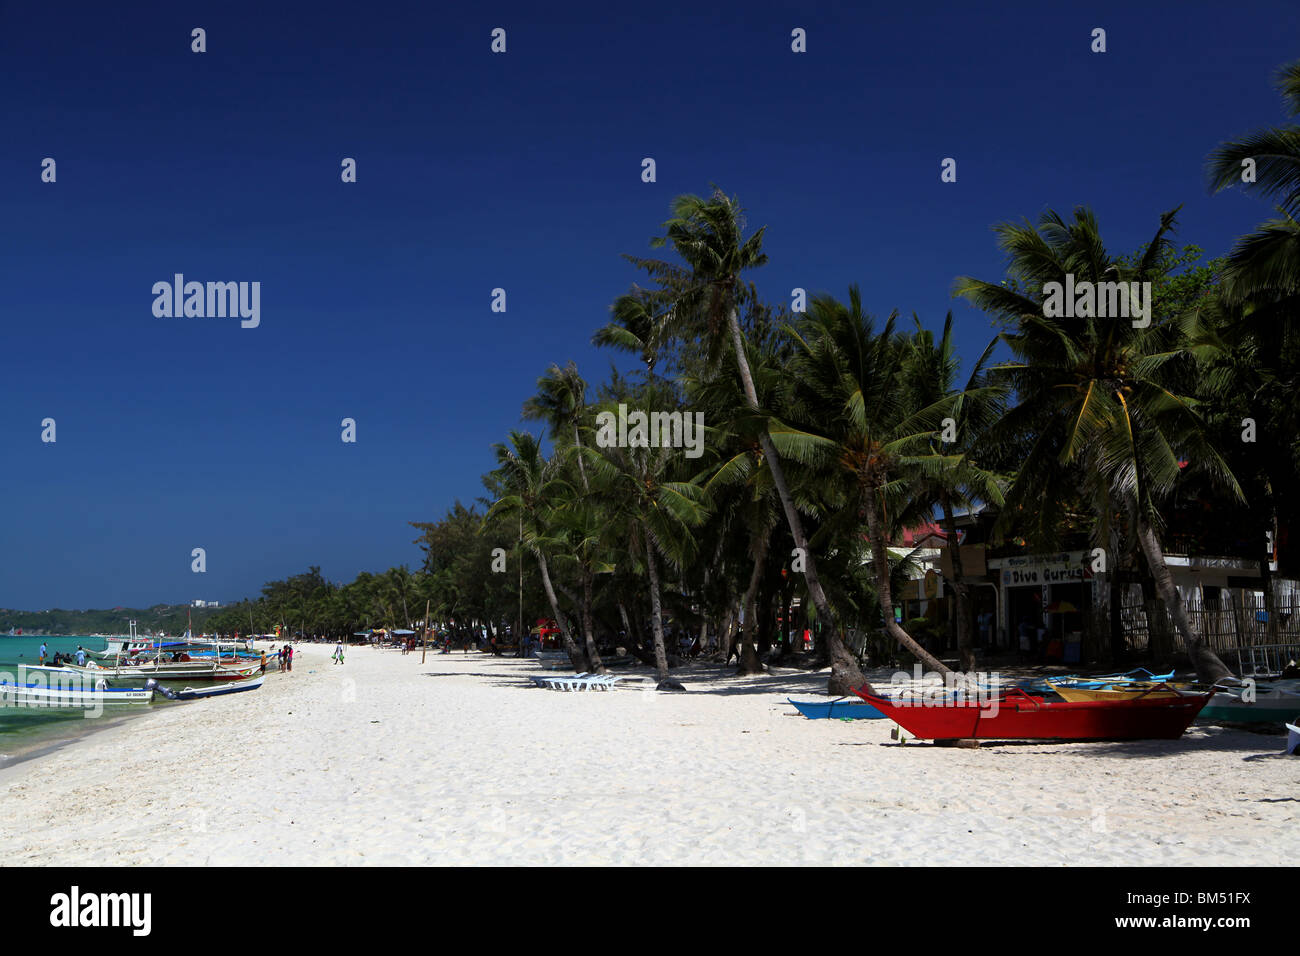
479 170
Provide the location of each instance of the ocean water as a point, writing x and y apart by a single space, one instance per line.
27 731
27 649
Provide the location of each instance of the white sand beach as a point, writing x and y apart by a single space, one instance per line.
462 761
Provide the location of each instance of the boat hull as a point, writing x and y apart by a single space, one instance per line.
1260 712
1022 717
37 695
836 709
232 687
171 671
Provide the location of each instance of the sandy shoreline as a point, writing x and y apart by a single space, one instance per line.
462 761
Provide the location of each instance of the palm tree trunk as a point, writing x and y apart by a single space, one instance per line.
593 656
582 470
1207 664
787 641
656 611
880 567
724 628
575 654
767 602
1118 646
627 625
964 648
749 663
845 673
728 635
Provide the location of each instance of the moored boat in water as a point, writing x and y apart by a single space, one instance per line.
46 695
168 670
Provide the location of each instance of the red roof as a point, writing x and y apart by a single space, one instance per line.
914 536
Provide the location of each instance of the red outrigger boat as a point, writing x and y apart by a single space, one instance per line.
1017 715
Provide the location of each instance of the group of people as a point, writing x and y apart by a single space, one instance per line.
58 660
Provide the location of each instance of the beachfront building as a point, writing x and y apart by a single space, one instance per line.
1064 604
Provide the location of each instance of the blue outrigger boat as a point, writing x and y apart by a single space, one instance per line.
842 708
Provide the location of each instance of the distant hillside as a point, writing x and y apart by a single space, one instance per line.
170 618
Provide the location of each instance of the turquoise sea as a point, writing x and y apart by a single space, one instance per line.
28 731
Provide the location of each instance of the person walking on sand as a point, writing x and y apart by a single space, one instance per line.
288 656
263 660
338 653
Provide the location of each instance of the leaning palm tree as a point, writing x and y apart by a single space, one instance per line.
1101 394
699 304
533 484
859 426
930 375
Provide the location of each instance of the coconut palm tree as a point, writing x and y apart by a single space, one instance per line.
930 375
580 530
654 501
854 420
1260 302
1264 268
740 488
534 486
561 402
698 303
1100 394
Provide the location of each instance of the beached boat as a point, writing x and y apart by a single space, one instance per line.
1039 685
1021 716
231 687
44 695
839 709
1274 703
1117 691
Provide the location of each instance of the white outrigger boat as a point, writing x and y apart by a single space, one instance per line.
45 695
132 645
168 670
176 664
214 690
